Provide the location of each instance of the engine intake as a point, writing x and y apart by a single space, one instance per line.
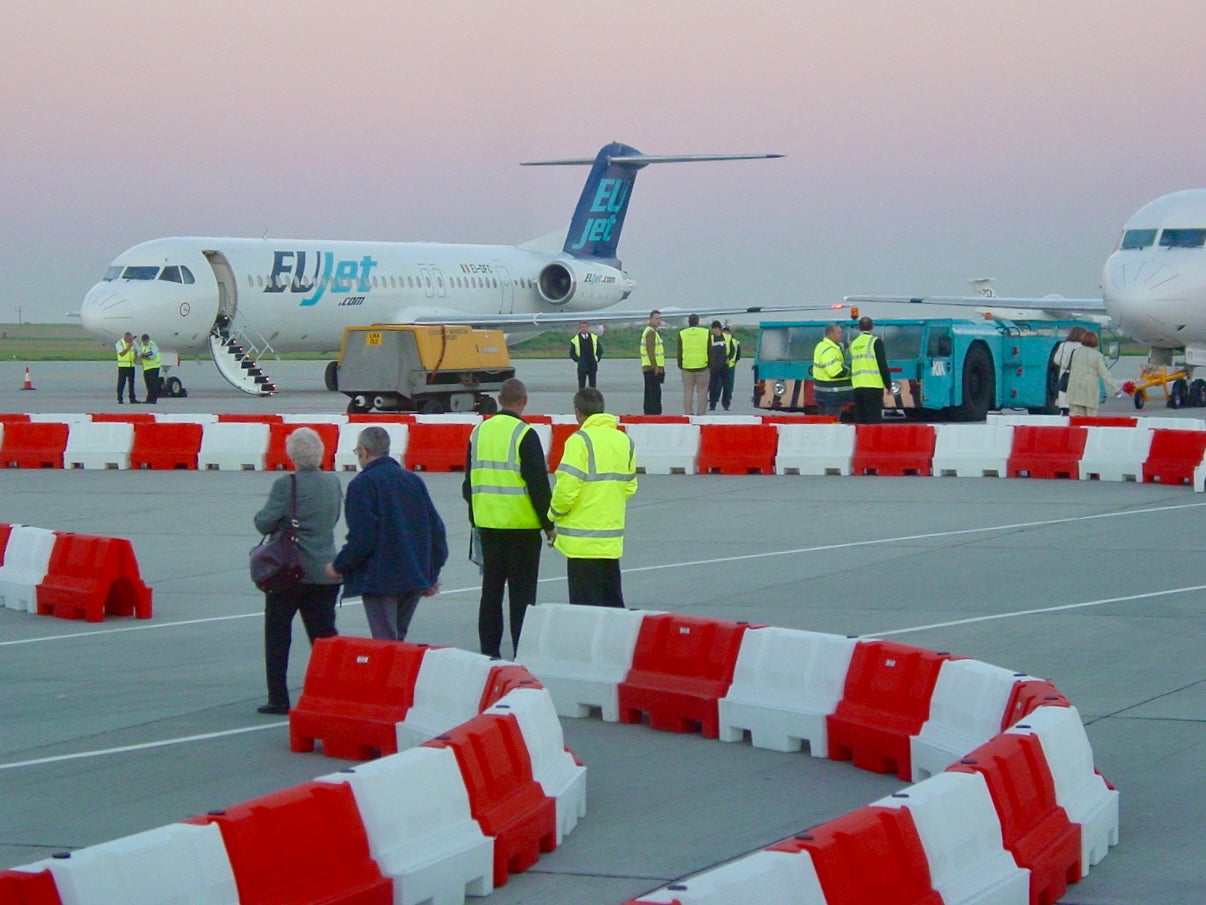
557 283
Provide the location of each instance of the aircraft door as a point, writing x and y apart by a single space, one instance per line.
228 292
433 281
506 289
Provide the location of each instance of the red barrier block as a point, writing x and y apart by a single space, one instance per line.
356 690
682 666
33 444
382 418
893 449
885 701
799 419
91 577
869 855
1026 696
166 446
5 531
437 446
738 448
1035 829
302 845
122 417
1046 451
654 419
248 418
503 680
1103 421
560 433
20 888
1173 456
277 460
503 797
11 417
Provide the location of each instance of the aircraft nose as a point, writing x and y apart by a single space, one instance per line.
106 311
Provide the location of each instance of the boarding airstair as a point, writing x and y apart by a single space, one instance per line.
235 351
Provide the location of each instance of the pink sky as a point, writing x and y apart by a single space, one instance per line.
927 142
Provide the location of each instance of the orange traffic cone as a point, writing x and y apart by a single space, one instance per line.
28 382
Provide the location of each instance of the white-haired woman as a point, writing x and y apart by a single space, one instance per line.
319 498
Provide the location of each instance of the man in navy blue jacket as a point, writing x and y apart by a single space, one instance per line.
396 543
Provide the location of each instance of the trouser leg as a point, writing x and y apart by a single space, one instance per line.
594 582
494 578
317 608
278 635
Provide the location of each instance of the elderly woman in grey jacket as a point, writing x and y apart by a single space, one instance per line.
1085 368
319 498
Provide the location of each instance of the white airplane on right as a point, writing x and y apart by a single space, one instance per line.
1153 288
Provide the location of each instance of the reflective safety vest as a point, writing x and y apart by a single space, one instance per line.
596 477
733 347
124 359
576 345
150 356
827 361
659 353
499 495
694 344
864 369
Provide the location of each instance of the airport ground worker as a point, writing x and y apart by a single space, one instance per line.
653 364
507 488
718 365
316 508
830 376
126 354
148 354
869 374
734 355
396 544
693 363
586 351
596 477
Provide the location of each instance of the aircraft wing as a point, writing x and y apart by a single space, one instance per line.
1051 306
554 318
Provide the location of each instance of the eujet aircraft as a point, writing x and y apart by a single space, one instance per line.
262 296
1153 288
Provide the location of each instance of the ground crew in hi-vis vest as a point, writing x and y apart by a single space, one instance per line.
653 364
596 477
693 362
869 374
586 351
126 354
148 354
507 487
830 376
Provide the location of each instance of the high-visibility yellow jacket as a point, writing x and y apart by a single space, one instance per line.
596 477
499 495
828 363
124 359
659 352
150 355
864 367
693 348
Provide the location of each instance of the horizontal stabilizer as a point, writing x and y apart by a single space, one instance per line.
640 160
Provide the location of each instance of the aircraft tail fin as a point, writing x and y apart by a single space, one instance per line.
594 230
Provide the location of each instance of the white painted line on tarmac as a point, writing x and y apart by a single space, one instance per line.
125 749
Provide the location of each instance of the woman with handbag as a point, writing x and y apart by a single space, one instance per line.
1086 372
306 502
1061 360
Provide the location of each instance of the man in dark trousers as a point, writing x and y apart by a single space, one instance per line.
586 350
507 488
396 543
869 374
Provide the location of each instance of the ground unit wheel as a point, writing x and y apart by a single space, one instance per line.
174 388
1178 393
430 405
1197 393
1140 398
357 405
486 405
330 376
979 385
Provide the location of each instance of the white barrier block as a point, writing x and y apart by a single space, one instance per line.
1199 478
99 444
966 710
349 433
448 692
665 448
1115 453
177 864
716 418
1165 421
234 446
314 418
25 560
581 654
415 811
763 877
961 835
61 417
1027 420
552 766
815 449
186 418
1079 789
972 450
785 683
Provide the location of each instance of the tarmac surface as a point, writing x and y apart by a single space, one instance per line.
113 728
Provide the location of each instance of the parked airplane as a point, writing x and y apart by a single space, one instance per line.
243 298
1153 288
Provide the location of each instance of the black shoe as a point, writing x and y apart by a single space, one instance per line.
273 709
121 402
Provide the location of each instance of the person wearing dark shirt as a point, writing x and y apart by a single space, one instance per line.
586 350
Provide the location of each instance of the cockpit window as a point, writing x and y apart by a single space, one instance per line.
112 274
171 274
1183 238
1138 238
187 275
140 273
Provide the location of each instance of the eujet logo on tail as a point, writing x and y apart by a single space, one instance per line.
291 273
